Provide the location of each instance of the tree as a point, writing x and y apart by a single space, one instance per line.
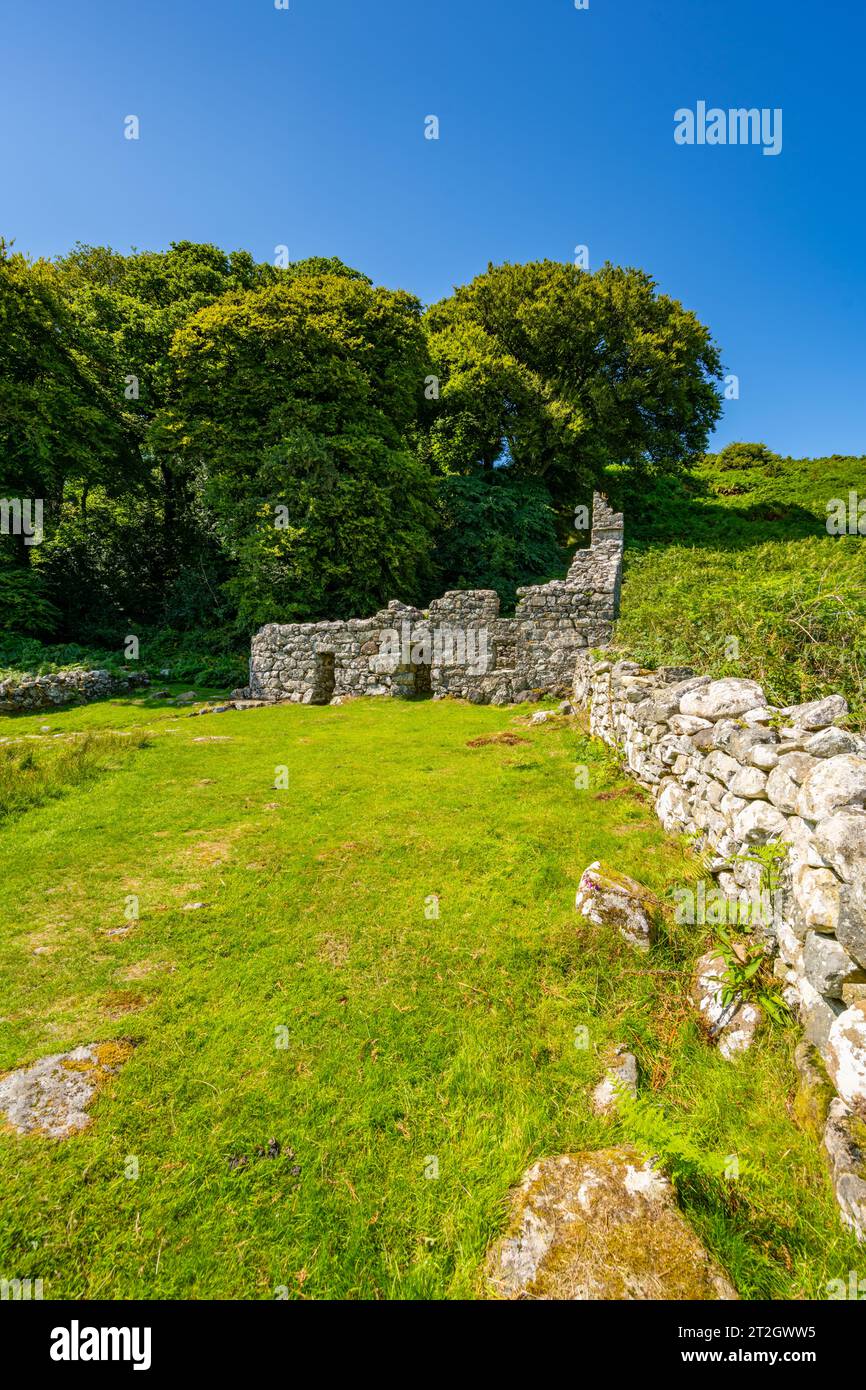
130 542
560 374
497 531
60 427
298 403
137 303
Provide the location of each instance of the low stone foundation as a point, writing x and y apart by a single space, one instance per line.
23 694
738 775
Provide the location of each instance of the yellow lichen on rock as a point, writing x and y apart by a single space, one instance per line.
600 1225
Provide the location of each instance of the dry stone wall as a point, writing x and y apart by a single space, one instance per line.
20 694
739 774
460 647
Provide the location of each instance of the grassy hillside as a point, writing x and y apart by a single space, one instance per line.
285 981
732 570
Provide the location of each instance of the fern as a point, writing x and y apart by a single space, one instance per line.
680 1151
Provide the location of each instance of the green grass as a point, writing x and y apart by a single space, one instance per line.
33 770
741 551
409 1037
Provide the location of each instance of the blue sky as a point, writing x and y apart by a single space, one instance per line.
305 127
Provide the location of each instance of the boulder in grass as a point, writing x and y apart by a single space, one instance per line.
602 1225
732 1027
610 899
620 1078
51 1096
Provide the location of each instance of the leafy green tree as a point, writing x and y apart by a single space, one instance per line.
298 406
497 531
60 427
133 547
137 303
561 374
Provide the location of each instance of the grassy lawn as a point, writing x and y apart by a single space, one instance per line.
317 999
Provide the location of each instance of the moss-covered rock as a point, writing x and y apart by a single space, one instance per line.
845 1145
600 1225
52 1095
814 1091
610 899
730 1026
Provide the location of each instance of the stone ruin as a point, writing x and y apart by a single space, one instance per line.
460 646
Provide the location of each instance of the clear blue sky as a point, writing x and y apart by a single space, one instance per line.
305 127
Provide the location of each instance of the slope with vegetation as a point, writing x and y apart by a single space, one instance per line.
732 569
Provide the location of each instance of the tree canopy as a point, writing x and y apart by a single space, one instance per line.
561 374
298 405
220 442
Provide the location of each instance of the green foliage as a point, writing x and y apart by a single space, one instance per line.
58 422
682 1150
496 531
60 427
299 403
770 858
207 659
22 602
747 976
740 550
563 374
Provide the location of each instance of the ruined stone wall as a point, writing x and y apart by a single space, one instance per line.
737 773
19 694
460 647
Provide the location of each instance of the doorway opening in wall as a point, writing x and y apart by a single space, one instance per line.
324 678
411 681
423 686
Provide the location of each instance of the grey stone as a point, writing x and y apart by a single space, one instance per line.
609 899
620 1078
759 823
817 714
600 1226
841 840
722 699
732 1027
828 965
764 756
749 782
829 743
847 1167
781 790
851 924
817 1014
720 766
797 765
816 893
51 1096
831 784
846 1057
742 741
